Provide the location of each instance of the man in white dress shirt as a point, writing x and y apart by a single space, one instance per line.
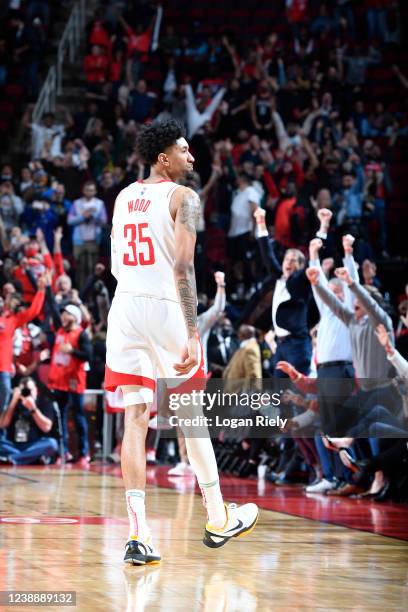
335 373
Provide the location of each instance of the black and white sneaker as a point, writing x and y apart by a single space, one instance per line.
141 553
240 521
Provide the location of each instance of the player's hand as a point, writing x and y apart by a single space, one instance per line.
189 358
313 275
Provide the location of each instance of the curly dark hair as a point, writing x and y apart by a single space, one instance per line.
156 137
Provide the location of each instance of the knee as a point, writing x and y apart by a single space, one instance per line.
380 412
52 446
137 416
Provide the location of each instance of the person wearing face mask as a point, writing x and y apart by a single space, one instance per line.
7 175
222 344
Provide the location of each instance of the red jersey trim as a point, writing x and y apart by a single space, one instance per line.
156 183
117 379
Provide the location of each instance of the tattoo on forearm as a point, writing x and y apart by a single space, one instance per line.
188 300
190 211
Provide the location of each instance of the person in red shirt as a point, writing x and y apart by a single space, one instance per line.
99 35
8 324
289 219
67 376
96 66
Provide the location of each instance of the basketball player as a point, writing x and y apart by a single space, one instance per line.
152 328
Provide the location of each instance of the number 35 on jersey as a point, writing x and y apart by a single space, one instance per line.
140 245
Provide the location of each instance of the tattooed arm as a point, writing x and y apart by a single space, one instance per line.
186 206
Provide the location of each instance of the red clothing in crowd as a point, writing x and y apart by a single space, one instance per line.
286 212
96 68
296 10
9 324
115 71
38 267
307 385
100 36
138 42
67 372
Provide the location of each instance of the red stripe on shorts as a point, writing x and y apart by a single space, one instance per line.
117 379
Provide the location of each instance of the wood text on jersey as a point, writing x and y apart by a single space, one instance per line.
139 205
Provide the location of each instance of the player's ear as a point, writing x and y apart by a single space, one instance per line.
163 159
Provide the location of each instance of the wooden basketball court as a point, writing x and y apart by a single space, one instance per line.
65 530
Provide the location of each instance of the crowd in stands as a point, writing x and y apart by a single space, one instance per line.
27 28
293 167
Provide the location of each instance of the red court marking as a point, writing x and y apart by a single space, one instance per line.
388 519
62 520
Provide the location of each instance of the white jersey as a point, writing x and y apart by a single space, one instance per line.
143 240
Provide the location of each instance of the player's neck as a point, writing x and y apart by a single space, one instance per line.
157 176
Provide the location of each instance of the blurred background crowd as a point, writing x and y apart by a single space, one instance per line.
296 114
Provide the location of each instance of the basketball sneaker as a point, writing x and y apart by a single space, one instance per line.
181 469
240 521
141 553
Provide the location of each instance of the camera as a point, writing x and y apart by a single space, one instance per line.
25 392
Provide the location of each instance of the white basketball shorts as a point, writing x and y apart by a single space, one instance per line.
146 337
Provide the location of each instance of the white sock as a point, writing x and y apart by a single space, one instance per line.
135 505
214 503
202 459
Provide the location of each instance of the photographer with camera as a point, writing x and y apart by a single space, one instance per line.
28 419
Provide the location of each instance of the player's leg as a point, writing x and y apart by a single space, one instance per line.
129 366
224 522
137 401
166 344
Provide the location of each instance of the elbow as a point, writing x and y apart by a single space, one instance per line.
183 269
